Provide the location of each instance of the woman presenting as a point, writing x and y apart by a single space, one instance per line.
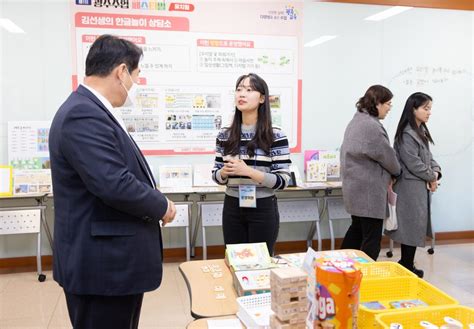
252 159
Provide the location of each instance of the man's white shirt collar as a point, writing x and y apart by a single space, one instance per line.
114 111
118 116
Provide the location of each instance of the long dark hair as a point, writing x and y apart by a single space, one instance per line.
263 138
374 96
408 118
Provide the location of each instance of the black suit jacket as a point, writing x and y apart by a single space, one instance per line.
107 238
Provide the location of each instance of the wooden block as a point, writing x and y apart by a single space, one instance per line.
285 298
292 311
292 317
275 323
302 302
288 275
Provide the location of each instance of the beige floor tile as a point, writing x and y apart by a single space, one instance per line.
24 283
23 323
35 305
5 279
60 316
164 307
450 269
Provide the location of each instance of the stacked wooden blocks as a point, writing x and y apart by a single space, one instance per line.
289 300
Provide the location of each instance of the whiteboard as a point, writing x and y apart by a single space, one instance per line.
428 50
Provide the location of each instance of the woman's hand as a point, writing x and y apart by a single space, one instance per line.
225 172
235 167
433 186
392 182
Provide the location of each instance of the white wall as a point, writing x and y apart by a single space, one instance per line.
339 71
36 68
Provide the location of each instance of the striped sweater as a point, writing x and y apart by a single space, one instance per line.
275 165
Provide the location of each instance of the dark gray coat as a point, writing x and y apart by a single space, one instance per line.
367 163
418 168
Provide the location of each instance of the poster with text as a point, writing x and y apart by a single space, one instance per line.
194 52
28 144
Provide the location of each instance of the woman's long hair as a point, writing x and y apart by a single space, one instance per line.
263 138
374 96
408 118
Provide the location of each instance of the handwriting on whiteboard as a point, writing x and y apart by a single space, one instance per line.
428 75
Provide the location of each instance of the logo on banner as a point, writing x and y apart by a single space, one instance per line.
291 12
288 13
148 5
125 4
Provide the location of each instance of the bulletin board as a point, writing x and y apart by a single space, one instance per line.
193 54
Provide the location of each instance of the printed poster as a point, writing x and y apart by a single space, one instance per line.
194 52
28 144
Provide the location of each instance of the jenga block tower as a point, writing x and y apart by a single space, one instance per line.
289 300
275 323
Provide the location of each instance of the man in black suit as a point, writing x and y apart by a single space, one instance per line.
107 239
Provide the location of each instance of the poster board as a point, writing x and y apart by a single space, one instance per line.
193 54
28 144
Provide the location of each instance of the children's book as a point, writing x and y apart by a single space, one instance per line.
331 158
252 282
408 303
248 256
310 155
295 259
316 171
373 305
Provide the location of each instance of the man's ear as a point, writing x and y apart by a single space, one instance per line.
120 71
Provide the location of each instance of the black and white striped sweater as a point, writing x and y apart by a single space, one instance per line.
275 165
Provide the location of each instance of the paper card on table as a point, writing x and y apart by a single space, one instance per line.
407 303
309 262
32 181
375 305
176 176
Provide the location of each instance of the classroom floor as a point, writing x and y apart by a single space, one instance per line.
27 303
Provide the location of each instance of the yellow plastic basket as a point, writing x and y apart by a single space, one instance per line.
396 289
435 315
378 270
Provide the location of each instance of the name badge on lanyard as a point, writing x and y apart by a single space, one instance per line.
247 196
